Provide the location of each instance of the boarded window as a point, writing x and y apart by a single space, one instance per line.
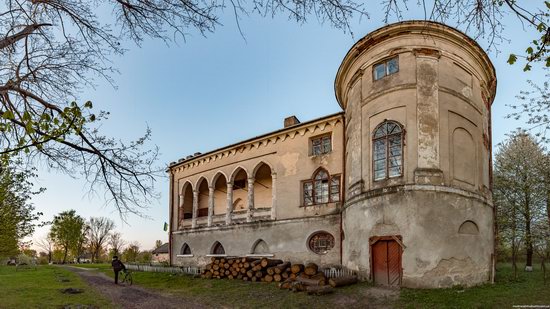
260 247
321 242
185 249
468 227
218 248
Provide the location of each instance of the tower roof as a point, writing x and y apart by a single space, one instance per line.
421 27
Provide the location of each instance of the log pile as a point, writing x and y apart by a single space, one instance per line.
294 277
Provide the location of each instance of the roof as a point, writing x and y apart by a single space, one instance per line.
162 249
290 128
412 26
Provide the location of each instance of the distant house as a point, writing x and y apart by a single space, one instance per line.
161 254
84 258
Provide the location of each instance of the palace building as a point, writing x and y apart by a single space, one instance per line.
396 187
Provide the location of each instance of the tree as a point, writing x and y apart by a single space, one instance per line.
535 104
158 243
98 233
47 245
519 192
67 232
145 257
117 243
131 252
52 49
17 215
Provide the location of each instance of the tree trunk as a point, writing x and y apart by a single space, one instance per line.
311 269
342 281
528 238
296 268
319 290
65 255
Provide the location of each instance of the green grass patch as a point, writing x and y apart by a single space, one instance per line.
237 293
40 288
527 289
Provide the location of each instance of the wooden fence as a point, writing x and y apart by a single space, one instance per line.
337 272
330 272
164 269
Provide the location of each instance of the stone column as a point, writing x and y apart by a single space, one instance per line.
180 211
250 208
427 115
210 205
229 210
273 196
195 208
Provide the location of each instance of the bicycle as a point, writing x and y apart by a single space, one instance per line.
127 278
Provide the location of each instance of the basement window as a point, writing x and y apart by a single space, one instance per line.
385 68
321 242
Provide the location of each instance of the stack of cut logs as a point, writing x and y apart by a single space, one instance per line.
295 277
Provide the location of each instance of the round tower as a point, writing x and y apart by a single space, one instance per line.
417 98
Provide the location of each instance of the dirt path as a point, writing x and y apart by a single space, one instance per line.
131 296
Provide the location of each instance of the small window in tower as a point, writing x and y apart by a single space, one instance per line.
320 145
385 68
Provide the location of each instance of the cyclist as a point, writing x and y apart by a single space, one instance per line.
117 267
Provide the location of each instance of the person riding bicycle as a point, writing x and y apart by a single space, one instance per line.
117 267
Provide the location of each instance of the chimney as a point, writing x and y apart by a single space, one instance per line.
290 121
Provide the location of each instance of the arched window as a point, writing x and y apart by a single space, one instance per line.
323 188
387 150
218 248
185 249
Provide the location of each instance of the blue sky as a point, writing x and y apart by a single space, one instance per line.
205 93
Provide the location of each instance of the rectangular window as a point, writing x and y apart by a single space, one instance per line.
321 145
385 68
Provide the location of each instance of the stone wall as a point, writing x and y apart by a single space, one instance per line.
285 239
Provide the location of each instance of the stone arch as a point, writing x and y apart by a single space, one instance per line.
185 249
217 176
263 186
468 227
203 193
260 164
236 171
219 183
464 156
239 180
260 247
239 204
319 170
217 248
185 210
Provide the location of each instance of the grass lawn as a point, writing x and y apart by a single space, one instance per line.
527 289
40 288
240 294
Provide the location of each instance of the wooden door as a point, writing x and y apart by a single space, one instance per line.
386 263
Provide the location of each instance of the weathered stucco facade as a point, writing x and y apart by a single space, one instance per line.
404 190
